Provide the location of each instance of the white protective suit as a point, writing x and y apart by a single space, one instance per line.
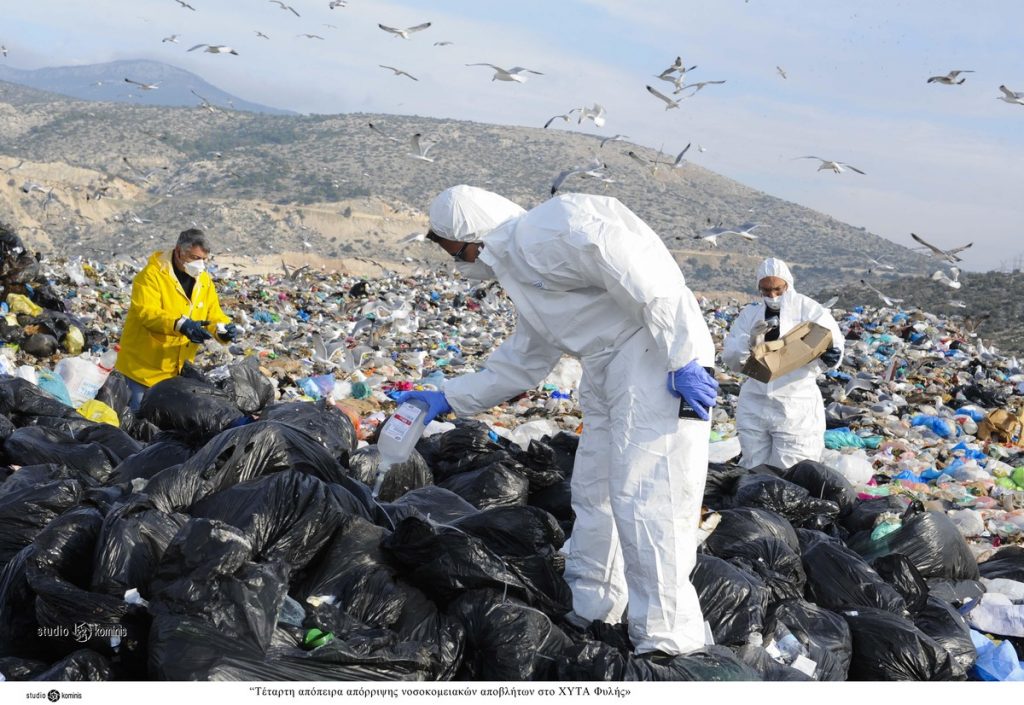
783 421
592 280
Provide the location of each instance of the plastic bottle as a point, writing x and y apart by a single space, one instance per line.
97 377
398 437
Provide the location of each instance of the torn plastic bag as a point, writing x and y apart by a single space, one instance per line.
899 571
81 665
505 639
20 398
26 511
824 634
1008 562
944 623
745 524
445 561
429 503
238 455
151 460
930 540
769 669
777 565
190 407
864 514
114 392
287 516
786 499
33 445
132 541
324 422
118 444
596 661
887 647
247 386
492 486
823 482
839 578
732 600
399 479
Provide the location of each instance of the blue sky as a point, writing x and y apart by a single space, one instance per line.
941 161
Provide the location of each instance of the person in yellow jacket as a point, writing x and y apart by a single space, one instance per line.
174 309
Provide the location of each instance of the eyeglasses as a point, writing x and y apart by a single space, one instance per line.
459 254
772 291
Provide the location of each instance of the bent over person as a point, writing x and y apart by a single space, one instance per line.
590 279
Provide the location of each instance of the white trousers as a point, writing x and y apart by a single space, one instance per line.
781 431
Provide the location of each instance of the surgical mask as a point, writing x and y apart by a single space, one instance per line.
194 268
475 270
773 302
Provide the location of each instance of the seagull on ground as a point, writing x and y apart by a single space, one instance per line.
614 138
143 86
885 299
956 303
950 78
698 86
948 255
669 103
285 7
215 49
595 114
837 167
781 71
173 39
952 282
382 133
400 72
404 33
261 34
419 151
185 5
712 234
595 166
564 117
516 73
1009 96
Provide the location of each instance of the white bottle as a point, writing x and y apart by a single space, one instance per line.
398 437
98 375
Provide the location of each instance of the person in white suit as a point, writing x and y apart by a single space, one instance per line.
781 422
590 279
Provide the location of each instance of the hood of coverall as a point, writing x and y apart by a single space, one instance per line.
467 214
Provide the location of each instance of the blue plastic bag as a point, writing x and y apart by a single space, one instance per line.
995 662
53 384
941 427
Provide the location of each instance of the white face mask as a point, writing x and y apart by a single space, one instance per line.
194 268
773 302
475 270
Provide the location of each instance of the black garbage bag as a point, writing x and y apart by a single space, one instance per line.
786 499
556 499
118 444
398 479
956 592
192 408
460 448
20 398
824 634
733 601
596 661
514 531
13 668
506 640
721 484
81 665
930 540
495 485
445 561
838 578
887 647
6 428
777 565
944 623
40 345
237 455
898 570
132 542
247 386
139 429
26 511
541 464
286 517
19 631
822 482
152 459
865 513
324 422
69 425
1007 562
746 524
32 445
115 393
769 669
430 503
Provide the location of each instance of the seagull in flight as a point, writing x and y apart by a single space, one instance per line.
680 161
669 103
698 86
337 3
712 234
215 49
513 74
888 301
614 139
953 282
173 39
1009 96
781 71
418 150
309 36
143 86
948 255
638 159
285 7
185 5
831 302
837 167
404 33
382 133
593 169
398 72
950 78
594 114
261 34
676 67
564 117
206 105
443 44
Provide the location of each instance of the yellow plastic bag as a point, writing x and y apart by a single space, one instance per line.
74 341
20 303
98 411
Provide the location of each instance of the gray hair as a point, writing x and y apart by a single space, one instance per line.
191 238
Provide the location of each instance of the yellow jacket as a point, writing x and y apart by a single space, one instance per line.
151 350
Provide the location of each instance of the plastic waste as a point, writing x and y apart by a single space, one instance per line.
398 437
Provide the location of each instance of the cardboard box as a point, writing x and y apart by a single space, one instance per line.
771 360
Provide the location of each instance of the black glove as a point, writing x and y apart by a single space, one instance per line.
230 333
194 330
831 357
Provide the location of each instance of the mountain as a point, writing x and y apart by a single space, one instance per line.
105 82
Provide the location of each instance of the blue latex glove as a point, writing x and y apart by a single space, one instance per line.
696 386
830 357
230 333
194 331
437 401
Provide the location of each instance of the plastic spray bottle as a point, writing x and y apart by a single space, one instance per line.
398 437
